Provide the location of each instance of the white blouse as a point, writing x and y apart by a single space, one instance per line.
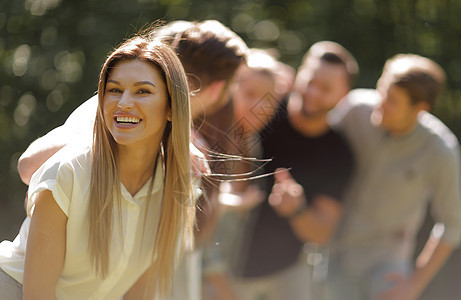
67 176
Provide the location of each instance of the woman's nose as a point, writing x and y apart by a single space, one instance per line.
125 101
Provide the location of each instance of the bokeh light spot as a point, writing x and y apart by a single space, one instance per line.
24 109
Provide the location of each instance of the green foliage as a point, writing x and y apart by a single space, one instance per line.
51 52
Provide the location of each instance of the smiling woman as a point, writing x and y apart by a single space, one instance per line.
136 104
110 221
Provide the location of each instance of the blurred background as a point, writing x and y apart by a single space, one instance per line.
51 52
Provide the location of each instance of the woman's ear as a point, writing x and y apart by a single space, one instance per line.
168 117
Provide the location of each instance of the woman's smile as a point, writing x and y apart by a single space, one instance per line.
127 121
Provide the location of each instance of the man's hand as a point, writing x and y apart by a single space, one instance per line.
314 223
404 288
232 200
287 196
433 256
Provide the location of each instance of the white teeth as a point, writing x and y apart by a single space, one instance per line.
132 120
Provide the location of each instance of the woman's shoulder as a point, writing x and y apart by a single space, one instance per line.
67 170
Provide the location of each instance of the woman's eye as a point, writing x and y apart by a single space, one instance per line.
114 90
143 91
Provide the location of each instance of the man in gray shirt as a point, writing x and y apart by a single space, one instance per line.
406 159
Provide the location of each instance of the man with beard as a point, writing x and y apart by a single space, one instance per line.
304 203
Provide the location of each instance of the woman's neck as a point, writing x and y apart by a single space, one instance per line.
136 166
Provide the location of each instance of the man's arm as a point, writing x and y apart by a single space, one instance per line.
445 236
315 223
78 127
434 255
318 223
40 150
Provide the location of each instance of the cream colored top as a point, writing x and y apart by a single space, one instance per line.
67 176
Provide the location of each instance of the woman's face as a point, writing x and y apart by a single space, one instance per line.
135 104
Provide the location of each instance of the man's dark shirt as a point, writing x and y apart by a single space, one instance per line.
322 165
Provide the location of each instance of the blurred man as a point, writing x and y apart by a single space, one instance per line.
299 138
406 159
258 90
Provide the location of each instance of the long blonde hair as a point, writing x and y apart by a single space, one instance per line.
175 229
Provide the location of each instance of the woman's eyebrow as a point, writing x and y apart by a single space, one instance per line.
144 82
135 84
113 81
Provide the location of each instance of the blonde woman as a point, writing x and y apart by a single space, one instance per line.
110 221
